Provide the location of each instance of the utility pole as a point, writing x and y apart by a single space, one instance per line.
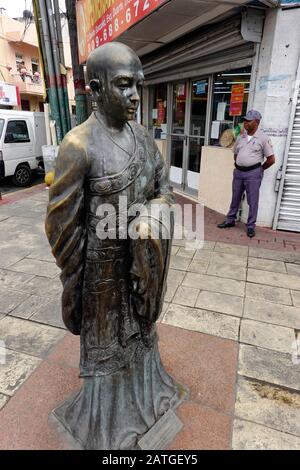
42 27
49 33
78 73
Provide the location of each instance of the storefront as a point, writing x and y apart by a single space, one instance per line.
205 106
185 116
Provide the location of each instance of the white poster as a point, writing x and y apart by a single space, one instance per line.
221 111
215 130
8 94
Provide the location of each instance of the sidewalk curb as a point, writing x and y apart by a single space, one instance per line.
10 198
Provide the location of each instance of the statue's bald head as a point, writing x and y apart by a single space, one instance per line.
115 74
111 57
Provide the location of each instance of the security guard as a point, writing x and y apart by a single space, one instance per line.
253 154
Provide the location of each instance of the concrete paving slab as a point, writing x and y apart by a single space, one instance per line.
13 280
16 370
296 298
50 314
186 253
23 220
276 314
186 296
293 269
273 279
34 266
222 303
179 263
214 284
10 299
30 306
29 337
198 266
43 287
269 366
239 250
174 250
227 271
277 295
286 256
175 277
3 400
270 406
267 265
203 255
42 254
208 245
203 321
230 259
9 257
251 436
171 291
277 338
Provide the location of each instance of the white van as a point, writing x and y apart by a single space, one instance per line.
22 134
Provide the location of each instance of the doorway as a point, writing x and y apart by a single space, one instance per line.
188 132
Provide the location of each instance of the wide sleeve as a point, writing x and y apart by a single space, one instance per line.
151 256
65 226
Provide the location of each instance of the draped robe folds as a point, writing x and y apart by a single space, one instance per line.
125 388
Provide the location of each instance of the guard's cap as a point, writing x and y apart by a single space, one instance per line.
253 115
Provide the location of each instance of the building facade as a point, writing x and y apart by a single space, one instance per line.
21 75
206 63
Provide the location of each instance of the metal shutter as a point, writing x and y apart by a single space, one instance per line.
213 49
289 210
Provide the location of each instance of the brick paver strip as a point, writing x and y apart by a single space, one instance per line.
206 365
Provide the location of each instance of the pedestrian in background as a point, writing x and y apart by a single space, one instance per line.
253 154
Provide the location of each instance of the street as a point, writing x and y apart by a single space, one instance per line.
228 331
7 186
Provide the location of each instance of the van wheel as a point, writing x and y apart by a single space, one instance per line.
22 176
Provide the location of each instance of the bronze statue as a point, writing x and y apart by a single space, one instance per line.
113 288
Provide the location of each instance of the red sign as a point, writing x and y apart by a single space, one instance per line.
161 113
237 100
94 31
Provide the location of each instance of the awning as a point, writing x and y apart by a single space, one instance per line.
177 18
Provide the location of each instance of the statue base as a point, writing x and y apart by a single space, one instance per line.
132 409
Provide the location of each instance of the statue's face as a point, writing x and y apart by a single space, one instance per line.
120 97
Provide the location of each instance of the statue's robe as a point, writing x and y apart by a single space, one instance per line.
113 289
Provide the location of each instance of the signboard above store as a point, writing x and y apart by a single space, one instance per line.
9 95
101 21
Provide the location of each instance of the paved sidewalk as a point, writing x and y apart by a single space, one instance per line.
230 321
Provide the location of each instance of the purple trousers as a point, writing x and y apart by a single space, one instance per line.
250 182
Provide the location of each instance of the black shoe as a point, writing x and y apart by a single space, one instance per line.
226 224
250 232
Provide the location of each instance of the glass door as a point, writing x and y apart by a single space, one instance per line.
178 133
196 132
188 132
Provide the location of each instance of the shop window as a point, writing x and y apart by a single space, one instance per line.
16 132
230 101
158 118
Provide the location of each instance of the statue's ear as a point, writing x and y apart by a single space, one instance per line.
95 86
